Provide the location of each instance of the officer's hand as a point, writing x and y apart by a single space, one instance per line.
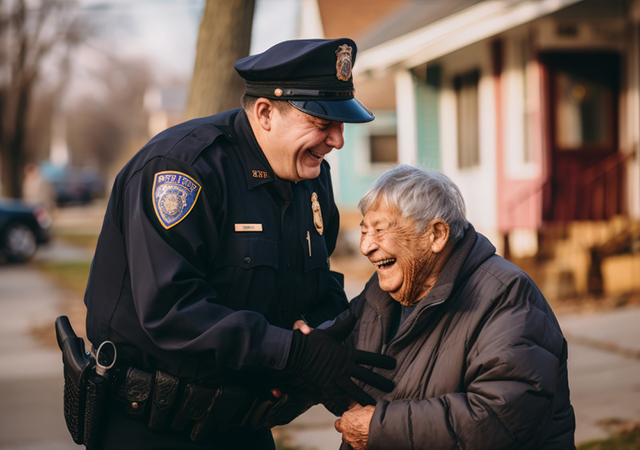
319 362
305 329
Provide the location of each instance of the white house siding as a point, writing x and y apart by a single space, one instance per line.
522 142
407 124
478 184
521 106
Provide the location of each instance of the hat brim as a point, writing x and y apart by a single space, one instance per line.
349 111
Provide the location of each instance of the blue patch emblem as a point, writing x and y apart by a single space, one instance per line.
174 194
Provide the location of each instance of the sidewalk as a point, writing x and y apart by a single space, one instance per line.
604 369
31 382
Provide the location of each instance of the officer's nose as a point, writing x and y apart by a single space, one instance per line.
335 137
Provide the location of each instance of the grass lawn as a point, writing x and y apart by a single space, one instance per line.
68 275
628 440
88 240
72 278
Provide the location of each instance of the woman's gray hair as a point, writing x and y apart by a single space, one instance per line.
421 195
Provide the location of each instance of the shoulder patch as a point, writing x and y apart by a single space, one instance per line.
174 195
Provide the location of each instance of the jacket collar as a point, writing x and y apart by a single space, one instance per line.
257 169
452 270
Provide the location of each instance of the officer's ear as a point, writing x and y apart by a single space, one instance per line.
263 113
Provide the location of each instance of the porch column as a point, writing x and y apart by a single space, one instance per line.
406 118
634 101
309 21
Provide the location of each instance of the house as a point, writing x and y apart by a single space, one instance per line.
531 106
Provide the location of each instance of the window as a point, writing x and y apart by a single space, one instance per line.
584 108
384 148
466 88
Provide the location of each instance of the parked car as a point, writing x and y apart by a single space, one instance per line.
77 185
22 229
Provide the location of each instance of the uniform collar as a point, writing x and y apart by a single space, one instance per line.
256 166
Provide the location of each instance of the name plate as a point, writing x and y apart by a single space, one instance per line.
248 227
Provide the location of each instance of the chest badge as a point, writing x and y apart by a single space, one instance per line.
174 195
317 214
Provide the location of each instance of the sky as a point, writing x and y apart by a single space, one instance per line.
161 31
164 32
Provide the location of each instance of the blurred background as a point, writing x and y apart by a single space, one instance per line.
531 106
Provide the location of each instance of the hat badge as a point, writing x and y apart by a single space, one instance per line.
343 65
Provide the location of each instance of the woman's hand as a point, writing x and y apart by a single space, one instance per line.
354 426
302 326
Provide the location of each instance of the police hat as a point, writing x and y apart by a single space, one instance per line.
313 75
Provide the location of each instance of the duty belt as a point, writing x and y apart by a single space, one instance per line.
166 403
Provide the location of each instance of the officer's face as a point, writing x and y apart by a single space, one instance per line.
300 143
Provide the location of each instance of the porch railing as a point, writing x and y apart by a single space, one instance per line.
601 192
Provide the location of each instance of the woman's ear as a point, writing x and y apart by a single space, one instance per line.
439 237
263 111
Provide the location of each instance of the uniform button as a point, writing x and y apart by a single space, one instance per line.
328 263
271 362
134 405
284 309
288 265
247 259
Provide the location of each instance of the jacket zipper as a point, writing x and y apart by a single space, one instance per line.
384 341
395 338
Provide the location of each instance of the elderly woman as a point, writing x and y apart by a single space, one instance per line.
482 362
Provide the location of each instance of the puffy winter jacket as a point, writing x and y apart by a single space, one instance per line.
482 362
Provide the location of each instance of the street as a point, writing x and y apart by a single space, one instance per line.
604 369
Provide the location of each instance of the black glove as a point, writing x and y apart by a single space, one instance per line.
319 363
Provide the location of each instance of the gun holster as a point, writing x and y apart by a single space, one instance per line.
85 391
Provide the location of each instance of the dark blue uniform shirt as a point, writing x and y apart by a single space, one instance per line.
203 298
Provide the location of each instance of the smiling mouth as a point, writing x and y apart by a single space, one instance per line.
384 263
315 155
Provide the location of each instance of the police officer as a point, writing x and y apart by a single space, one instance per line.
215 243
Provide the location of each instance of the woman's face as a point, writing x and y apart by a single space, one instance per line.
403 258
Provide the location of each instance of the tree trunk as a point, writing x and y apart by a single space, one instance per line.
224 37
29 32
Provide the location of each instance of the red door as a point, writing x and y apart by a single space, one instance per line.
585 173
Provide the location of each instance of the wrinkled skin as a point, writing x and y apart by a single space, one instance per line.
354 426
407 262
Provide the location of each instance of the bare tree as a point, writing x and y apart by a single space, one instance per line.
30 33
103 130
223 38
